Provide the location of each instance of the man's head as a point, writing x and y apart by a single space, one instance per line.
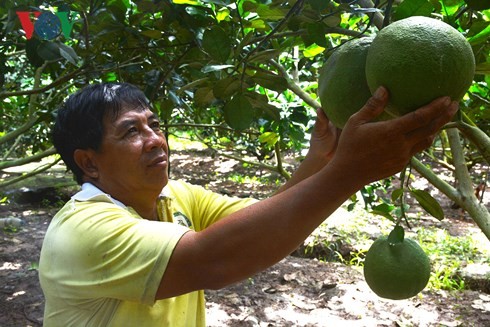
84 130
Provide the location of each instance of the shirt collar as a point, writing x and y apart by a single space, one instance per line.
90 192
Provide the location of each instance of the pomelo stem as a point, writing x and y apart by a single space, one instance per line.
397 235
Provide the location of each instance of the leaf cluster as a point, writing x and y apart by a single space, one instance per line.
238 75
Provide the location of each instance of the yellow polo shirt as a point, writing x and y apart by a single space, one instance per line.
101 263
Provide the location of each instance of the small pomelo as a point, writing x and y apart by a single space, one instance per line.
478 4
419 59
396 271
342 85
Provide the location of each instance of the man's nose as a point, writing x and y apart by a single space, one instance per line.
154 139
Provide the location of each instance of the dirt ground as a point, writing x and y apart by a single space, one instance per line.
294 292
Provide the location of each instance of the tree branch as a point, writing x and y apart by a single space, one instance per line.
32 117
26 160
27 175
36 90
280 168
468 200
377 18
477 137
295 87
432 178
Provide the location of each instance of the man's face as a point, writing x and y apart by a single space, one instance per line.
133 154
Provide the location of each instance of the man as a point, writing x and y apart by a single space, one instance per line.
135 249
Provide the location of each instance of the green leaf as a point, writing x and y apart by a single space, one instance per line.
299 115
480 37
396 235
312 51
203 96
317 33
154 34
483 68
413 8
239 112
223 14
268 12
68 53
261 102
216 43
396 194
270 81
49 51
319 5
384 207
428 203
244 42
256 24
387 215
186 2
225 88
265 55
270 138
165 108
332 21
384 210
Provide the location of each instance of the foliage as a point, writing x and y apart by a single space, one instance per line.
239 76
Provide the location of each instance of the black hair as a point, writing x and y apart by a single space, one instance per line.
79 121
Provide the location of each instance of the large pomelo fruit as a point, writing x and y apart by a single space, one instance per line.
419 59
342 85
396 271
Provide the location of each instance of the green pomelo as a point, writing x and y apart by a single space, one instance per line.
478 4
342 85
396 271
419 59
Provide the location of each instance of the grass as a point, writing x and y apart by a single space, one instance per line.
448 255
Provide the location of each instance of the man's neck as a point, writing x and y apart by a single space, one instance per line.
144 203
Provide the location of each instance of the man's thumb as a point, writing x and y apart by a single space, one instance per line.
373 107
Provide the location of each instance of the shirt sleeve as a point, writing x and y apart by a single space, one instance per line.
103 249
208 206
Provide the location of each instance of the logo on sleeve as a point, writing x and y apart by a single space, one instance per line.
181 219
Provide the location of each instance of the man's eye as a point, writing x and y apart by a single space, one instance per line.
155 125
131 130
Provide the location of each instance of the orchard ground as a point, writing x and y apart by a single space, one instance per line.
301 290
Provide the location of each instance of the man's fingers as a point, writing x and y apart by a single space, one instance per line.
373 107
320 114
422 145
436 113
322 123
433 126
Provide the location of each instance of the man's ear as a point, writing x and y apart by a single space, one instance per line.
85 159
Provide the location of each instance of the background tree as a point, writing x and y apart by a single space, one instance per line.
240 76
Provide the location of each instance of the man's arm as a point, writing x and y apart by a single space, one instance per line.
260 235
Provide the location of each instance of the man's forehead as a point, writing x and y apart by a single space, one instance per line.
131 113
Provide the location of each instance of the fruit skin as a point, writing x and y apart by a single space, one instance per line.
419 59
397 271
478 4
342 85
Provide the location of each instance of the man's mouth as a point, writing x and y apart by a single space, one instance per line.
158 161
